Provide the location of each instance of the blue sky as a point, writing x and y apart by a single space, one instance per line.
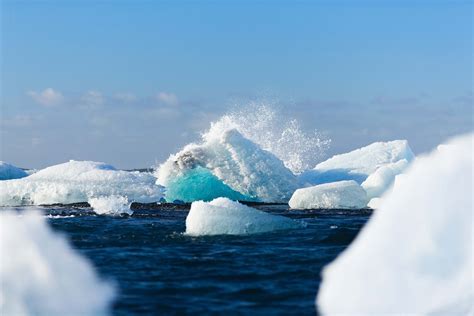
129 82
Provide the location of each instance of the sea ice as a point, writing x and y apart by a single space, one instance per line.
40 274
225 164
225 217
79 181
341 194
415 255
112 205
8 171
379 181
358 164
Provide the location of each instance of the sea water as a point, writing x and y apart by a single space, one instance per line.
158 269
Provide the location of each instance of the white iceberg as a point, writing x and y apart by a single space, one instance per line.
8 171
225 164
358 164
341 194
381 180
79 181
112 205
225 217
41 274
415 255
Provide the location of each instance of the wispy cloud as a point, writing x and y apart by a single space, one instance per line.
125 97
47 97
167 98
92 99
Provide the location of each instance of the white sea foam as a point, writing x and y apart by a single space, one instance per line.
225 217
78 181
415 255
40 274
8 171
112 205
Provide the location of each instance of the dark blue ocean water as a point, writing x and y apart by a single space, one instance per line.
158 270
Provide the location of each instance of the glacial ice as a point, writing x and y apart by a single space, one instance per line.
222 216
41 274
379 181
415 255
79 181
358 164
340 194
112 205
225 164
8 171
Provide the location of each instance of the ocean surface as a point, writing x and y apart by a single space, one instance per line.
159 270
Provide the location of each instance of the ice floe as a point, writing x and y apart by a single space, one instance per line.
341 194
225 217
40 274
415 255
8 171
79 181
111 205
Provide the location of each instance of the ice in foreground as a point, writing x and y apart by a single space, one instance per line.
415 256
226 164
222 216
41 274
358 164
8 171
79 181
341 194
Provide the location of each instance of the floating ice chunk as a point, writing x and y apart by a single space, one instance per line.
379 181
41 274
358 164
375 203
225 217
415 255
226 164
341 194
113 205
8 172
78 181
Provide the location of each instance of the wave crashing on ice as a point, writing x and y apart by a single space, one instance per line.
415 256
225 217
41 274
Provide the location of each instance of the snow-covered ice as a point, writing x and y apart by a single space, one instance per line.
225 164
40 274
8 171
222 216
112 205
381 180
341 194
79 181
358 164
415 255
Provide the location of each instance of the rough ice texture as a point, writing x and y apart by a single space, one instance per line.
8 172
41 274
341 194
415 256
358 164
79 181
381 180
111 205
225 217
225 164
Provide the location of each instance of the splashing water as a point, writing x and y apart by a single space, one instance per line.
263 124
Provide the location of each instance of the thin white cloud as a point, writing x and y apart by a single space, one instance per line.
167 98
125 97
47 97
92 99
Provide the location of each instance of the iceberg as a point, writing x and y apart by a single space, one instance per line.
358 164
222 216
79 181
415 255
341 194
8 171
41 274
112 205
381 180
225 164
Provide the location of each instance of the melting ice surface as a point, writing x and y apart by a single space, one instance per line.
113 205
8 171
340 194
415 256
40 274
78 181
225 217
